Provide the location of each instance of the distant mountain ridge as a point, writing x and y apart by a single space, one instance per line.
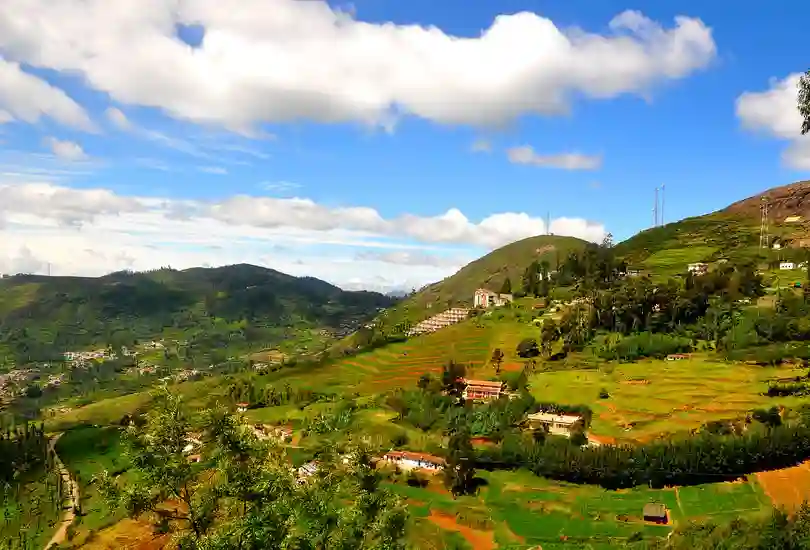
60 312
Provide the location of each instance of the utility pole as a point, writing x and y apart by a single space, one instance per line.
663 187
763 223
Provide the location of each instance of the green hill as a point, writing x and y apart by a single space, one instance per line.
489 272
732 234
40 315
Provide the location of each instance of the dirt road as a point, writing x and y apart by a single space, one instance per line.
72 497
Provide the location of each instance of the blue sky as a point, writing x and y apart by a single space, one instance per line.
380 151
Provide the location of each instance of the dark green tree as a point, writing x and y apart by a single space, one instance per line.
459 472
506 287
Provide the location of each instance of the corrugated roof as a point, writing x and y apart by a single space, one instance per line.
408 455
655 510
560 418
484 383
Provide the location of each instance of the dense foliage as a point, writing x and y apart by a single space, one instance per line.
698 459
254 501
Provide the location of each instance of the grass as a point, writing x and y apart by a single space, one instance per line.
30 511
86 452
525 510
660 397
674 261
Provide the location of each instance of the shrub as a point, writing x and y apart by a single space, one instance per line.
603 394
528 348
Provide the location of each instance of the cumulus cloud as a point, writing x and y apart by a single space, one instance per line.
328 66
66 150
61 225
774 111
525 154
28 98
412 258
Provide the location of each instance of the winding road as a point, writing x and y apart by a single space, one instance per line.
72 497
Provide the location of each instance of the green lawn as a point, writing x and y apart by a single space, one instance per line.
660 397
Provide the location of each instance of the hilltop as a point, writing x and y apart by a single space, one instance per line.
731 233
40 314
488 272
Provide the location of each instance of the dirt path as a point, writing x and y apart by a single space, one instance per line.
72 497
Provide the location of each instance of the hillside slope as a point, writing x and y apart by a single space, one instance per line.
61 312
732 233
489 272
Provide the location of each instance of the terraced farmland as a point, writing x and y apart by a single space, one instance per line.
402 364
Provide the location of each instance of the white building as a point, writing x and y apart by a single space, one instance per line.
698 268
486 298
786 265
558 424
414 461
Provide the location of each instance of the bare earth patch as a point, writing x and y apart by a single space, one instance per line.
479 540
788 487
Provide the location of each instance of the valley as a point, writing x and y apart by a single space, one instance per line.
630 399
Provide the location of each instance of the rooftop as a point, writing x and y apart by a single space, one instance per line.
408 455
654 510
484 383
558 418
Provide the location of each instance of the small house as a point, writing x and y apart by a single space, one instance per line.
557 424
786 265
482 390
793 219
242 407
698 268
307 470
678 356
194 459
414 461
655 513
633 273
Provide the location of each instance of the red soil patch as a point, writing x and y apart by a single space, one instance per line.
788 487
479 540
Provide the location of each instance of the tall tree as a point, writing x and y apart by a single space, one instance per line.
506 287
459 472
804 101
497 359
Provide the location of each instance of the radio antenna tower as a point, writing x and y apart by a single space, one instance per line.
548 222
655 209
763 224
663 187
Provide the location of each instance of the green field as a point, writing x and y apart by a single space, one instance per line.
86 452
663 396
522 510
674 261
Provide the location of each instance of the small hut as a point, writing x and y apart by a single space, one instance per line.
655 513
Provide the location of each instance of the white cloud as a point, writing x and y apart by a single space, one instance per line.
27 98
118 119
328 67
217 170
525 154
775 112
481 146
61 226
66 150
